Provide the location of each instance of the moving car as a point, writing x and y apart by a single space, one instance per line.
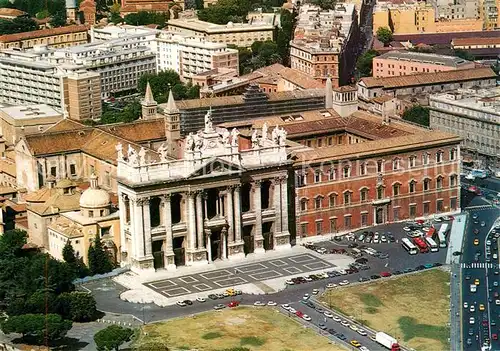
481 307
259 303
233 304
306 318
476 242
472 320
355 343
219 306
201 299
476 281
271 303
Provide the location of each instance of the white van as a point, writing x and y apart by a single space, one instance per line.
473 288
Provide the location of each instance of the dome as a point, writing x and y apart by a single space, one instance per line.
94 197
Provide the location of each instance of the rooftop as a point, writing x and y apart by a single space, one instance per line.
428 78
7 12
451 61
474 41
31 111
42 33
202 26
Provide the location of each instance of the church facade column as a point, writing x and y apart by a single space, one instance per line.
193 255
168 252
208 232
199 221
140 260
147 226
257 201
123 224
223 235
236 249
281 237
230 214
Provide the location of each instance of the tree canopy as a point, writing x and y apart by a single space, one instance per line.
163 81
112 337
364 63
384 34
143 18
37 327
417 114
324 4
17 25
262 53
99 260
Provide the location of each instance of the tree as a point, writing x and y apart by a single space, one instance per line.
76 306
324 4
384 34
59 19
37 326
12 242
143 18
225 11
116 18
417 114
41 301
112 337
364 63
75 262
99 261
463 54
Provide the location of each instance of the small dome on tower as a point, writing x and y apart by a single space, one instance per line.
71 4
94 197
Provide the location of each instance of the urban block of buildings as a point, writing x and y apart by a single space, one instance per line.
239 34
133 6
419 17
401 63
473 113
326 43
60 37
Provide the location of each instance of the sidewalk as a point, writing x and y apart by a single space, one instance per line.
456 238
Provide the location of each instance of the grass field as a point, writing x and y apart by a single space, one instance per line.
412 308
249 327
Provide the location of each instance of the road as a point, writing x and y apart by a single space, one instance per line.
475 333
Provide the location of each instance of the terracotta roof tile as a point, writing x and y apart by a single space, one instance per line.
4 11
443 38
475 41
138 131
42 33
428 78
64 125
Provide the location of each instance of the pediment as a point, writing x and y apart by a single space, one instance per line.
216 167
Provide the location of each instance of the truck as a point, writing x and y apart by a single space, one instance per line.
387 341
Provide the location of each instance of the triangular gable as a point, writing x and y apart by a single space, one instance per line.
215 167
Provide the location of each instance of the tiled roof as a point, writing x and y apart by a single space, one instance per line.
4 11
428 78
451 61
443 38
42 33
382 98
57 203
419 140
66 124
138 131
475 41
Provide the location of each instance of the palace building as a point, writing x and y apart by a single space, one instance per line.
224 198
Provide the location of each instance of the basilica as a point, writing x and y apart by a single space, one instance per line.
223 197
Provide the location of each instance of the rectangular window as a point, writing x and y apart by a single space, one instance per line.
439 156
412 186
426 208
332 174
412 161
301 179
91 213
380 166
347 198
413 211
105 231
303 229
453 154
317 202
53 171
319 227
347 222
107 179
333 225
303 205
453 180
453 203
91 169
317 176
362 169
347 171
396 214
364 195
439 206
425 158
72 169
364 219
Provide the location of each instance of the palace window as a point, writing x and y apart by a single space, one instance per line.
439 182
347 171
363 194
380 192
439 156
427 184
396 189
347 198
453 180
317 176
318 202
412 186
333 200
303 205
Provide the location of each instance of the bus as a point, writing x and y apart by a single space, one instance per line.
442 235
433 246
420 243
408 246
431 232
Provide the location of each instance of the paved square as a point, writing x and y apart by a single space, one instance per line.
238 275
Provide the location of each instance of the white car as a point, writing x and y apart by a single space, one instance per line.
353 327
361 332
472 308
406 229
201 299
289 282
376 239
383 239
306 317
181 303
271 303
488 242
495 256
292 310
343 272
331 286
466 305
344 282
469 176
285 306
315 291
364 348
258 303
328 314
337 318
306 297
345 323
497 302
307 279
472 320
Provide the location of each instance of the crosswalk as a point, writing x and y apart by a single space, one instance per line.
479 208
480 265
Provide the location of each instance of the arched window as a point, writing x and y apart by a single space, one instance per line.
427 184
363 194
318 202
412 186
303 204
347 197
333 200
439 182
396 189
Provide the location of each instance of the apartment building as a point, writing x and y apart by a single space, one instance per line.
474 115
60 37
133 6
239 34
401 63
26 79
325 43
457 9
419 17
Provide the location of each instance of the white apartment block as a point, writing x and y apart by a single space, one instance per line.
184 53
473 114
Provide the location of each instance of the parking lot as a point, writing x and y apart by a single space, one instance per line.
244 274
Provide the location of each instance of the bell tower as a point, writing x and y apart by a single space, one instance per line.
172 118
149 105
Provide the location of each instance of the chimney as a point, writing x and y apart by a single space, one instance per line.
328 93
51 183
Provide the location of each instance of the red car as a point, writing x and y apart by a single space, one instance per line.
485 323
299 314
233 304
420 221
385 274
494 336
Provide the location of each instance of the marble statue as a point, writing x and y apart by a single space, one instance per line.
142 156
275 135
234 134
198 144
190 142
132 156
282 137
208 122
255 139
264 131
119 151
163 151
225 137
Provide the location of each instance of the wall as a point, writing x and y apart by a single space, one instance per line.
386 67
